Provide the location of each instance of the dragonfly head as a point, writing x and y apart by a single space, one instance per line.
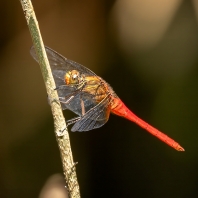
72 77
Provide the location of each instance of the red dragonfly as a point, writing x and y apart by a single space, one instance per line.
90 97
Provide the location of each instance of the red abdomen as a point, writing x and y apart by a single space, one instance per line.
119 108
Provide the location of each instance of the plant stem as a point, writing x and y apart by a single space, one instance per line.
59 120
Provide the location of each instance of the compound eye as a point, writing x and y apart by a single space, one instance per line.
72 77
75 77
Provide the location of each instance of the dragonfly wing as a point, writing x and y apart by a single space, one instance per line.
70 97
81 101
59 62
73 99
94 118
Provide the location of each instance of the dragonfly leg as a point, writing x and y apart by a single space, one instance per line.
61 100
82 106
50 100
72 121
65 100
68 122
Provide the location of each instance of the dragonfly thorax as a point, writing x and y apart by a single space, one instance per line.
73 77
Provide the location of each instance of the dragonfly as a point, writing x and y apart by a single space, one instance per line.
90 97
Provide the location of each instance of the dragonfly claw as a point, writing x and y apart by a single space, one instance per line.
61 132
51 100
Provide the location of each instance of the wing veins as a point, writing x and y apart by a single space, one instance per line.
92 113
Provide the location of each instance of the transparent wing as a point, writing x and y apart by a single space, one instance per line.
60 63
78 102
95 117
70 97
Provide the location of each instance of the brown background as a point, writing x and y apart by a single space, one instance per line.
148 51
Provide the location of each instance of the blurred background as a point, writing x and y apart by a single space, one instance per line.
148 51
